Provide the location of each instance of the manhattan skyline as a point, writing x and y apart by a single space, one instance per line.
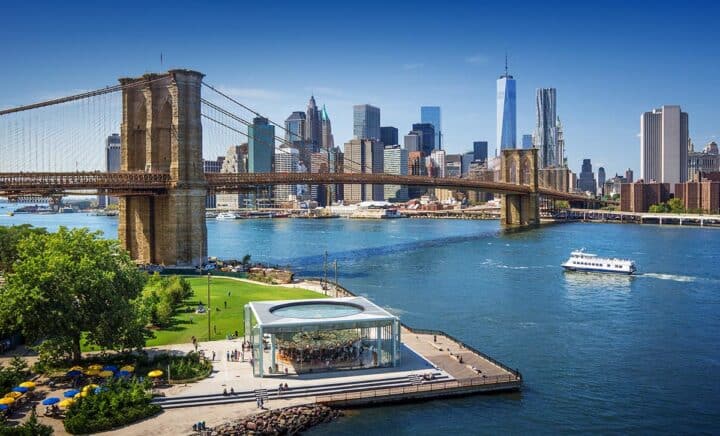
605 82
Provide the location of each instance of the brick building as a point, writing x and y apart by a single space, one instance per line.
639 196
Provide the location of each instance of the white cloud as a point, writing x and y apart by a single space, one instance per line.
412 66
476 59
251 93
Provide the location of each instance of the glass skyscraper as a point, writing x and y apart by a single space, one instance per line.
431 115
506 111
366 122
545 127
480 150
427 134
295 127
261 146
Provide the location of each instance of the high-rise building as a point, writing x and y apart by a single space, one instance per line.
413 142
453 165
601 180
427 133
363 156
366 122
431 115
480 150
234 161
261 146
705 161
287 160
560 144
527 141
586 180
545 127
295 127
112 165
389 135
467 160
313 126
212 166
506 111
628 175
664 142
395 161
437 163
328 141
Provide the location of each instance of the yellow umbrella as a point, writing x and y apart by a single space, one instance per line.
13 395
128 368
89 387
96 366
66 403
92 372
28 384
7 401
82 394
155 373
77 368
106 374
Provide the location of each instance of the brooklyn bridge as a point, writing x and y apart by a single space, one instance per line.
161 182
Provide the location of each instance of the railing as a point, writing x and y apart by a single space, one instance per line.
38 182
510 380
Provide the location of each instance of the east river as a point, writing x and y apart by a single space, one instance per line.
599 354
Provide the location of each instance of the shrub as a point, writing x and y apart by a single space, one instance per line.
12 374
31 427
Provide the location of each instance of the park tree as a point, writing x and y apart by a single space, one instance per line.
10 237
73 284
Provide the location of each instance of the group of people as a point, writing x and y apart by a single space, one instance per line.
347 353
199 426
282 388
235 356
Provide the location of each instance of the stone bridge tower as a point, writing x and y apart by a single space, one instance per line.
519 211
162 133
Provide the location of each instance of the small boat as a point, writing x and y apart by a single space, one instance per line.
581 261
222 216
210 215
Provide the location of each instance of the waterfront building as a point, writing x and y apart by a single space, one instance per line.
413 142
235 161
437 163
629 175
389 135
545 127
328 140
707 160
480 150
431 115
601 180
395 161
366 122
287 160
506 111
212 166
261 146
363 156
313 126
586 181
427 134
699 196
639 196
527 141
664 144
453 165
112 165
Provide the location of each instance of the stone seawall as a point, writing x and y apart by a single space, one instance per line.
287 421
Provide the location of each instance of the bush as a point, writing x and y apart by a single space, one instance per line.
31 427
123 402
181 367
15 372
162 297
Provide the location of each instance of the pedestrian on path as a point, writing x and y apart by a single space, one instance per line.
228 355
213 356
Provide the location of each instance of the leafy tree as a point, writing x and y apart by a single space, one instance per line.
31 427
675 205
245 260
72 282
10 237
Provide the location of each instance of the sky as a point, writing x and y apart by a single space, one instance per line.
610 61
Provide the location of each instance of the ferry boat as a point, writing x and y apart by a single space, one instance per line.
582 261
226 216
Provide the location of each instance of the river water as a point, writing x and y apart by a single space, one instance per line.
599 354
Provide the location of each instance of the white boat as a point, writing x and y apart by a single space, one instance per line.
226 216
582 261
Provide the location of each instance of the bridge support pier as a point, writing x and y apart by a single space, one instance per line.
162 132
520 211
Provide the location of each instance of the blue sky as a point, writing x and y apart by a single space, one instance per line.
609 62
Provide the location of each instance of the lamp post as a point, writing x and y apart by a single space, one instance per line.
208 306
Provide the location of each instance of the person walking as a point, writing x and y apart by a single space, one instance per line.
213 355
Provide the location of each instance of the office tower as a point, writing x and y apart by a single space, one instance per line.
545 127
234 161
480 150
328 141
705 161
453 165
664 142
437 160
212 166
261 145
586 181
560 144
601 180
112 165
395 161
413 142
506 111
287 160
628 175
467 159
389 135
295 127
363 156
527 141
431 115
366 122
313 127
427 134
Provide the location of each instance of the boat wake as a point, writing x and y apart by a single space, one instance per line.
673 277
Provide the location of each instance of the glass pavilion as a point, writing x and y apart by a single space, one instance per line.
305 336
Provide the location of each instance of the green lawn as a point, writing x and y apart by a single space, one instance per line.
223 320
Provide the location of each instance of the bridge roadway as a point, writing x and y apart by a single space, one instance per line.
148 183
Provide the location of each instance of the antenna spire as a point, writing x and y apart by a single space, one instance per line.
506 63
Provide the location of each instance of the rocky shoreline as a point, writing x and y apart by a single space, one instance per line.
287 421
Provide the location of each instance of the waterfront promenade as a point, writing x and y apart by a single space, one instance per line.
596 215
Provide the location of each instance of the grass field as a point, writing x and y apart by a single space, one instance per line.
223 320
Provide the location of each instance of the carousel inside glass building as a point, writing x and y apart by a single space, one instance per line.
299 337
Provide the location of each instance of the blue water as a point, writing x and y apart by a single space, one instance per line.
600 354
